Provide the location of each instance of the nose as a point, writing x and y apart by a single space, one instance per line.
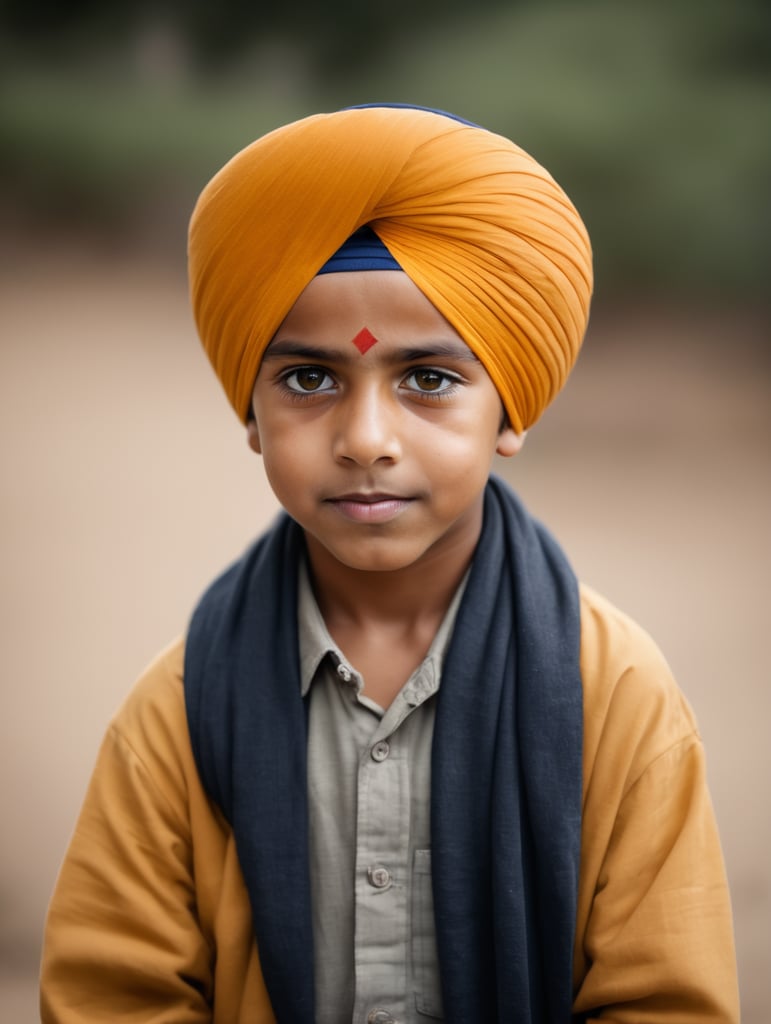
367 427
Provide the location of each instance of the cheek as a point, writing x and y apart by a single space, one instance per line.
282 462
291 459
278 435
288 488
467 448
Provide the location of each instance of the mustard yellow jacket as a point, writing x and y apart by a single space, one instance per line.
150 920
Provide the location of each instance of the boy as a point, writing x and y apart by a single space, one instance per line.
403 767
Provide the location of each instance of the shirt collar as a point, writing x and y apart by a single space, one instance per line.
314 639
315 642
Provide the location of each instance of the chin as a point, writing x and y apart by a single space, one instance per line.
373 557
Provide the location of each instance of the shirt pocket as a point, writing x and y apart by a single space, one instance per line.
425 962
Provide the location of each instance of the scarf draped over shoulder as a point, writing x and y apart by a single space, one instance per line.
506 768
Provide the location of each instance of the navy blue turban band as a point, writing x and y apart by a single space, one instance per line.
362 251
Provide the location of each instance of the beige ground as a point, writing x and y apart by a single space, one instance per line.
126 485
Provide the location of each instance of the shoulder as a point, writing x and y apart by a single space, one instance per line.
155 706
148 736
634 711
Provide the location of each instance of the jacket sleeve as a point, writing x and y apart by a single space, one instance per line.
123 941
655 937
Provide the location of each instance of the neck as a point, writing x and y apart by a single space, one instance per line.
420 591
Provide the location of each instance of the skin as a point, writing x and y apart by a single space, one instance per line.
381 457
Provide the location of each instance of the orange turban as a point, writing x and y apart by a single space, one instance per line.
481 228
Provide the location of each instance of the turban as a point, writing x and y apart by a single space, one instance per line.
478 225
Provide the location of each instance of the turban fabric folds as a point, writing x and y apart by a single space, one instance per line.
478 225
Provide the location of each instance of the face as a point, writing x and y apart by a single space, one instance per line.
377 424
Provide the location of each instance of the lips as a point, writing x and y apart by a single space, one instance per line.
369 508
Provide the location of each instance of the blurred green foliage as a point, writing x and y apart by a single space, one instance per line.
339 33
655 116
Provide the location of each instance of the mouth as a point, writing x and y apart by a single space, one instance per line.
369 508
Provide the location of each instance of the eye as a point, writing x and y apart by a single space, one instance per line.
308 379
430 381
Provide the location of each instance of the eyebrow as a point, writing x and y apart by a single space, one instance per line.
287 347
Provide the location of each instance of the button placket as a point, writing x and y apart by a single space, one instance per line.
380 894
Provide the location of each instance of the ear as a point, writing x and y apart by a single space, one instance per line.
509 442
253 436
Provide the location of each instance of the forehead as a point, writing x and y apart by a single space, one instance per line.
351 309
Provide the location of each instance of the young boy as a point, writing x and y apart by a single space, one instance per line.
402 767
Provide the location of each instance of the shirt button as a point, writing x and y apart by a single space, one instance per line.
378 876
380 1017
380 751
344 672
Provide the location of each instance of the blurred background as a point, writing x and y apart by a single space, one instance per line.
126 481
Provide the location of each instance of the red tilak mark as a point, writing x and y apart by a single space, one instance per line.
364 340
